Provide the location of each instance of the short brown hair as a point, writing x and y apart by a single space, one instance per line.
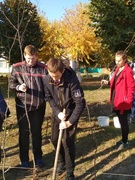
55 65
30 50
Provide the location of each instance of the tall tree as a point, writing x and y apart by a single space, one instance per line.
52 37
114 21
79 39
20 26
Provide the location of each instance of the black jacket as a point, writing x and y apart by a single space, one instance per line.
33 77
67 95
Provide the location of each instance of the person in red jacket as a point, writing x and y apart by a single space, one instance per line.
121 96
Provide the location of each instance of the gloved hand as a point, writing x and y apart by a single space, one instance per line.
22 87
62 116
62 125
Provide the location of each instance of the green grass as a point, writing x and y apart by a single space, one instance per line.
95 156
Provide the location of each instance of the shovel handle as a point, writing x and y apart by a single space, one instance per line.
57 151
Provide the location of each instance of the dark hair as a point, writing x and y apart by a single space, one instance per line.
55 65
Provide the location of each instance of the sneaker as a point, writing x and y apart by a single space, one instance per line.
121 145
25 164
40 163
60 168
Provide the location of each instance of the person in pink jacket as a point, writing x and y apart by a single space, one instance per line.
121 94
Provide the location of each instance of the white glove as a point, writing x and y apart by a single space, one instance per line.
62 125
62 116
22 87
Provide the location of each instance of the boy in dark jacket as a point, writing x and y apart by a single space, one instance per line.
63 92
27 81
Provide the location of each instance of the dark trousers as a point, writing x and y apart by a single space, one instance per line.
35 119
124 125
67 149
1 121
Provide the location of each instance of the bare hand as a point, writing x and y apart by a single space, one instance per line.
22 87
103 81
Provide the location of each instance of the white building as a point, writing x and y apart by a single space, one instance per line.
4 66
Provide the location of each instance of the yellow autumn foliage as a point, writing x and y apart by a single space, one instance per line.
52 35
72 37
79 38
